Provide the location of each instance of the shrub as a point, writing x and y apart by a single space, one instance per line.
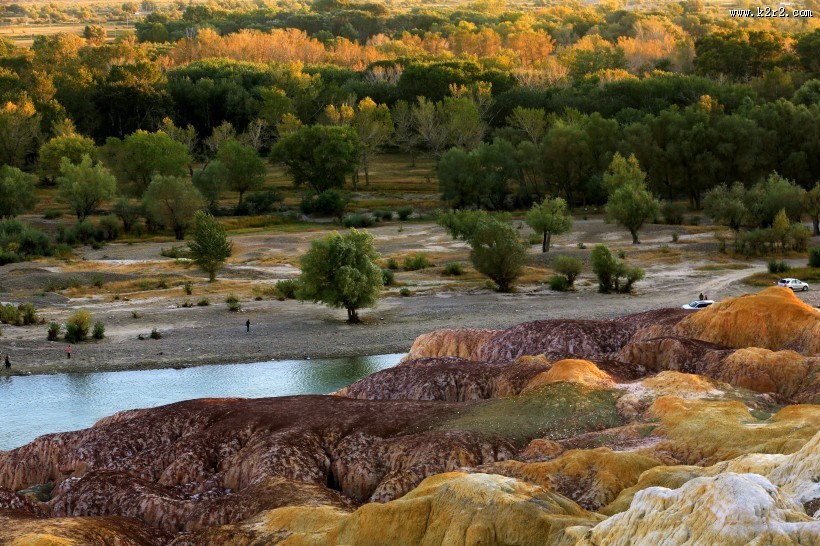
778 267
187 287
534 239
405 292
97 281
611 271
233 303
9 314
327 203
404 212
21 242
675 237
187 304
135 314
286 289
453 269
392 263
559 283
27 313
386 215
389 277
261 202
99 330
110 227
581 246
416 262
77 326
54 331
569 267
155 334
203 302
63 251
490 284
175 252
358 221
673 213
814 257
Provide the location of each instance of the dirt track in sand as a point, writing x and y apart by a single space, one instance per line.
288 329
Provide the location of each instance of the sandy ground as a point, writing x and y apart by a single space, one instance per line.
289 329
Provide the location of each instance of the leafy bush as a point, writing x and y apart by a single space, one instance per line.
261 202
534 239
569 267
110 227
9 314
28 313
392 263
404 212
386 215
778 267
416 262
155 334
99 330
97 281
175 252
77 326
814 257
673 213
453 269
187 304
612 273
405 292
327 203
389 277
204 302
54 331
20 242
559 283
675 237
187 287
358 221
233 303
287 289
81 233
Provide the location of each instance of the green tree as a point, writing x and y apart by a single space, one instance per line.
374 126
630 204
550 217
173 201
94 35
726 206
17 193
768 197
340 271
85 186
210 246
319 156
72 146
141 155
244 169
611 272
498 252
211 181
569 267
811 204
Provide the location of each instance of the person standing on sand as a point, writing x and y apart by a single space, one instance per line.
248 325
68 352
8 362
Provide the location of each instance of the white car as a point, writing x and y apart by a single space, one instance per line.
794 284
698 304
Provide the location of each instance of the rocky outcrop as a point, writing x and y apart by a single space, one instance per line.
446 378
18 530
742 509
574 371
673 353
455 509
461 343
774 319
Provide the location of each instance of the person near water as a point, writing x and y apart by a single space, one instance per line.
8 362
68 352
248 325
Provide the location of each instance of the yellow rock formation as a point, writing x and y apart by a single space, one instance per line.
452 509
573 370
462 342
590 477
705 432
773 319
684 385
762 370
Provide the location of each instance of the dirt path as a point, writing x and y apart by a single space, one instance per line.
288 329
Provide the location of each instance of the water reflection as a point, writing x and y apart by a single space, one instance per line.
40 404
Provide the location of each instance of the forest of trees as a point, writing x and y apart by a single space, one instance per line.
516 105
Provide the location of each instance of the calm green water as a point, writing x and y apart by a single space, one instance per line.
41 404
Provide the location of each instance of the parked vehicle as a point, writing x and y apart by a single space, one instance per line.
698 304
794 284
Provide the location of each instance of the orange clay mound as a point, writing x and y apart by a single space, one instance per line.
684 385
462 342
762 370
28 531
574 371
773 319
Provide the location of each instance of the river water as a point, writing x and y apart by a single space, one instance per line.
40 404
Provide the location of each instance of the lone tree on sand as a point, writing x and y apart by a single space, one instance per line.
339 271
210 247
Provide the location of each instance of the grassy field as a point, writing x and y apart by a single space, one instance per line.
23 35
